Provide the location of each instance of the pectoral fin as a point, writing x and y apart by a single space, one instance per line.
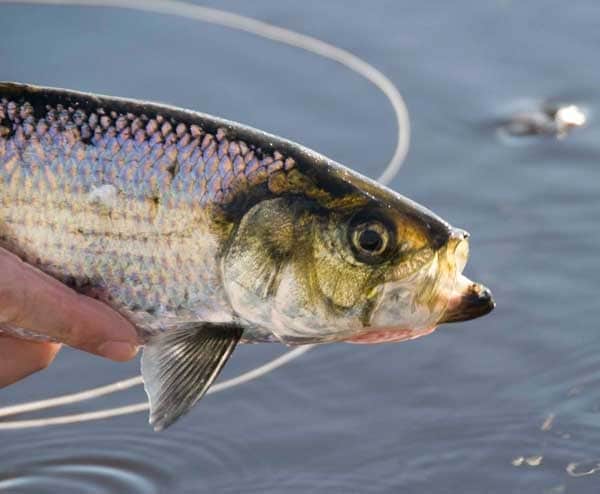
178 367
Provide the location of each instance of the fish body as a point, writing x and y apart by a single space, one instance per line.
205 233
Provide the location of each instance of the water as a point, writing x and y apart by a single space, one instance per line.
505 404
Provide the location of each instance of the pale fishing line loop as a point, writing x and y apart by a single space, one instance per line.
264 30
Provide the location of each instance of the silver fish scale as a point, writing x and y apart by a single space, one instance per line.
140 155
118 205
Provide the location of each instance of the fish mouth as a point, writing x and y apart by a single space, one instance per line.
471 300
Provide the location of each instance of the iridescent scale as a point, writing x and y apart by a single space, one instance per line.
120 205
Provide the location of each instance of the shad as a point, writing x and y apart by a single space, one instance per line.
206 233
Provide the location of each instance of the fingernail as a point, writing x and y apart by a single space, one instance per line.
118 350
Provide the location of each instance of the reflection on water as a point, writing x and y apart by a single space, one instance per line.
583 469
506 404
546 119
66 463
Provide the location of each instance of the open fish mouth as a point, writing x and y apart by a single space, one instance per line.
469 301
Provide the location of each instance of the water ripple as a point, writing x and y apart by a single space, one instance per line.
106 460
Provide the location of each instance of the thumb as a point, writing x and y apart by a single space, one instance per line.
32 300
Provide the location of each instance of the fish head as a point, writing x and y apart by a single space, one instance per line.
348 261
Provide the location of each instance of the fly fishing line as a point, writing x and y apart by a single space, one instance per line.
264 30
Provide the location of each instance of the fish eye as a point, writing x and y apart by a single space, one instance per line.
370 240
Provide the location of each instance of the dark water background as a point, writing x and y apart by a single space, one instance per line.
460 411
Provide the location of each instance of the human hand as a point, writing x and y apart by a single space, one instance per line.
32 300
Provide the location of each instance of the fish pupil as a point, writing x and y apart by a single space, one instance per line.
370 240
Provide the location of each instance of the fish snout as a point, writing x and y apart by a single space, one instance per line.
474 301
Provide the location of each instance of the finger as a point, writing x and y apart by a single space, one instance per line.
20 358
33 300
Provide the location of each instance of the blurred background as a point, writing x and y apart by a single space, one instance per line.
505 404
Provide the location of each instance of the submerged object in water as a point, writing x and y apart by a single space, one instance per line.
550 120
206 233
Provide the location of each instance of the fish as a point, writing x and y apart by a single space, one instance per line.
206 233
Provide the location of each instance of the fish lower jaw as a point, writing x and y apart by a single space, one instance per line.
469 300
